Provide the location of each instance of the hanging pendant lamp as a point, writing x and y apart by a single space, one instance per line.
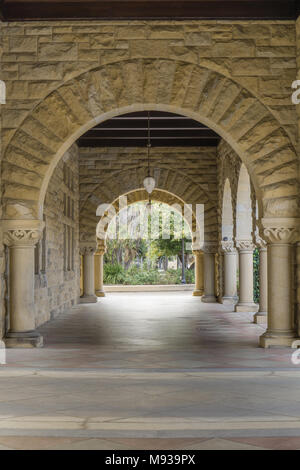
149 181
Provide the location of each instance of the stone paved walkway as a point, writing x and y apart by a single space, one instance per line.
150 371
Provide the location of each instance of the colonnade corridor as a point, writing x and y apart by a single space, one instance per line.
158 370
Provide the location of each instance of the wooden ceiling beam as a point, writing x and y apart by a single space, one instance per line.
16 10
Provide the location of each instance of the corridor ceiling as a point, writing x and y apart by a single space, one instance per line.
13 10
166 130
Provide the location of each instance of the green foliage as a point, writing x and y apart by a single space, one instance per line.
256 275
116 274
133 247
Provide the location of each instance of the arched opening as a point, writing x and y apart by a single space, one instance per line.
148 247
244 221
229 268
245 242
227 213
97 96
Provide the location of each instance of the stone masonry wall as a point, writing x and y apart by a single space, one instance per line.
57 289
38 57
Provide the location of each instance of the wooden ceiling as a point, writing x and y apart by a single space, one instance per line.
166 130
13 10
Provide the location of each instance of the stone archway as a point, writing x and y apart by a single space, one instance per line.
158 195
140 84
205 95
171 187
189 213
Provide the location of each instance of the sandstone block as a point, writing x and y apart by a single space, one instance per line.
132 32
275 51
251 67
250 31
102 41
23 44
40 71
198 39
283 35
57 52
237 48
38 30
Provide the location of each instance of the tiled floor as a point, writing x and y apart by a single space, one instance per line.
150 371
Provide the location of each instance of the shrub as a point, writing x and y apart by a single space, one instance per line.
256 275
113 274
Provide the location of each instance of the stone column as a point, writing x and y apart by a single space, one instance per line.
99 290
21 237
210 250
246 303
280 235
261 316
230 271
88 251
199 288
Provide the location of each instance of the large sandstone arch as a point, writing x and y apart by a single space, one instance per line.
141 84
172 187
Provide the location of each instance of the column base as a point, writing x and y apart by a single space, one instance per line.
229 300
245 307
100 293
197 293
277 340
88 299
209 299
23 339
260 318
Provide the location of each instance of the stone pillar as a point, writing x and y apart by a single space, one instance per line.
280 235
246 303
88 251
99 290
199 288
261 316
21 237
210 250
230 271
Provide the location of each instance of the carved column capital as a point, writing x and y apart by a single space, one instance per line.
260 243
281 231
228 246
24 233
245 245
87 249
210 248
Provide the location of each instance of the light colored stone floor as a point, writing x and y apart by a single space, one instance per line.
150 371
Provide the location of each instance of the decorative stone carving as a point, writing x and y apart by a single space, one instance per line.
260 243
22 232
210 248
281 231
281 235
228 246
245 245
87 249
21 237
